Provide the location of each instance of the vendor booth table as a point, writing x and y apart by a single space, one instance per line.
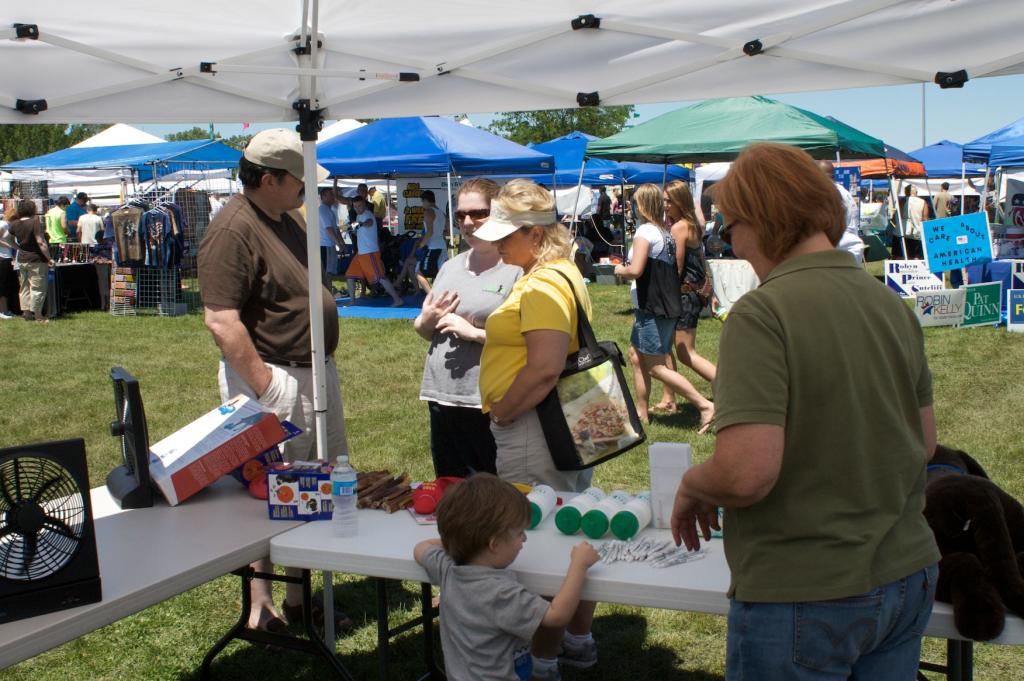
148 555
384 545
78 286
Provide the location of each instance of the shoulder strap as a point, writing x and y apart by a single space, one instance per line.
584 331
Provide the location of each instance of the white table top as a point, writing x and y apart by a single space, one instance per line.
383 548
151 554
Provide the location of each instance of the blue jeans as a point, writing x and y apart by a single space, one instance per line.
874 636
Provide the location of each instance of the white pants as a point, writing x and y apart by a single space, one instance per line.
290 396
523 456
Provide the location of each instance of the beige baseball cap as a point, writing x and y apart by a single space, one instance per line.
281 149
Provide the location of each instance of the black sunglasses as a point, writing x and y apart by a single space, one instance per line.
475 214
726 232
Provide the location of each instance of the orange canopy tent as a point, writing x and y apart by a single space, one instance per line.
880 168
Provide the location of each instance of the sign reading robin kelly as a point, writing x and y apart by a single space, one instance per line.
909 277
956 241
982 303
940 308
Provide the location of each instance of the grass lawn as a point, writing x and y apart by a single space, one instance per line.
57 378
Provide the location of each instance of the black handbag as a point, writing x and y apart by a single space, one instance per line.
589 417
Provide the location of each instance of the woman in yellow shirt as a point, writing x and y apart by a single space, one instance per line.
528 339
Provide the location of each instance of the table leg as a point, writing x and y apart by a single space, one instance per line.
383 630
427 610
312 645
329 609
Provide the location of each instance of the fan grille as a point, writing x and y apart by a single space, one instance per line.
42 517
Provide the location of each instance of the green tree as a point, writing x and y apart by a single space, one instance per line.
195 133
238 141
21 141
527 127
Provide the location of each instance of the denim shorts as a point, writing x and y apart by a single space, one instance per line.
652 335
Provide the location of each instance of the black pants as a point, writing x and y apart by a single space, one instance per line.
460 441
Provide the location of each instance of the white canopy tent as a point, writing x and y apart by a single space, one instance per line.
255 60
117 135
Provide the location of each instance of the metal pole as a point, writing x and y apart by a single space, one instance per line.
451 214
963 183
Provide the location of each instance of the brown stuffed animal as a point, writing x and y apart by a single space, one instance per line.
980 532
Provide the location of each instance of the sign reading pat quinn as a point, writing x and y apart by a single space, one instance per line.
957 241
909 277
940 308
982 303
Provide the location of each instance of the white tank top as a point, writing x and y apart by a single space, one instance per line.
436 231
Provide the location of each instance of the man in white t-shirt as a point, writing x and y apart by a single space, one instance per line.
850 241
89 225
366 263
330 238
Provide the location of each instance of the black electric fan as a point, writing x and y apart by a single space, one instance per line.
129 483
47 543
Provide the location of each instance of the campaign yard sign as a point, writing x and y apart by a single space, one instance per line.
940 308
1017 276
909 277
1015 310
956 241
982 303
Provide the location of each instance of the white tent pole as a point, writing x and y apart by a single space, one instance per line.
451 215
899 213
963 181
387 200
576 203
307 89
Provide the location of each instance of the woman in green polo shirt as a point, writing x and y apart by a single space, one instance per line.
819 458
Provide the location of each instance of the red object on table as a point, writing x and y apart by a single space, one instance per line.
428 495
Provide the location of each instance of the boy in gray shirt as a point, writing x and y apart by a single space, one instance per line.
487 617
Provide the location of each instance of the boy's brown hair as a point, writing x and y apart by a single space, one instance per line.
476 510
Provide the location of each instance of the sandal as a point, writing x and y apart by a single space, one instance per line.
293 613
273 625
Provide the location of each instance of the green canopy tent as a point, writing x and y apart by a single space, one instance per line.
718 129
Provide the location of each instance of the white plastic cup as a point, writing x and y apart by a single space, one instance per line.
597 520
570 515
634 516
668 462
542 501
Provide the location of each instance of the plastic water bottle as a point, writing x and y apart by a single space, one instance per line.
596 520
343 495
570 516
542 501
635 516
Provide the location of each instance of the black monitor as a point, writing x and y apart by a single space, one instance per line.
129 483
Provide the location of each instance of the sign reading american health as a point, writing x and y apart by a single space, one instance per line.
957 241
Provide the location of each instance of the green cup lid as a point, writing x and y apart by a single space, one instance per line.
595 524
625 525
567 520
535 515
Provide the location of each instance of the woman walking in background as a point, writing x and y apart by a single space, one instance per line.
686 232
33 258
653 264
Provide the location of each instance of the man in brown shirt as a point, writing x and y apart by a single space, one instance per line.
253 276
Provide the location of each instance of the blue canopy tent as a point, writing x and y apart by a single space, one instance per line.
944 159
421 146
146 160
979 149
569 152
1008 154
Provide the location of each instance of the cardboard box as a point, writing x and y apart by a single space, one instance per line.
211 446
299 491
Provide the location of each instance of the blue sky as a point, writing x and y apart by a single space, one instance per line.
890 113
